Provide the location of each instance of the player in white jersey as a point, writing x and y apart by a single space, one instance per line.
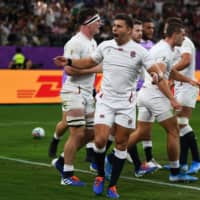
185 62
132 154
147 42
77 95
143 34
158 107
122 58
61 126
187 95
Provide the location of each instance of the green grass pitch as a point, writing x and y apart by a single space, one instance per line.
26 173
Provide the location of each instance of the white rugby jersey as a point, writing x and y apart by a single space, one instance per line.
121 65
162 53
79 46
187 47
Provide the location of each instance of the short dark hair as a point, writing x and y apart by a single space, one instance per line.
173 28
85 13
128 20
137 22
177 20
146 20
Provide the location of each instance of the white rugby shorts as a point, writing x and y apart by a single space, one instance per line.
120 111
153 105
186 94
76 98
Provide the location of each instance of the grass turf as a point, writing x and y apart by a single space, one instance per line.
30 181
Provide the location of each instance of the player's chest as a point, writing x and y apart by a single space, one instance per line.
87 50
120 56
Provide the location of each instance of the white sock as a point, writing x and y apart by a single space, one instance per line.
68 168
146 144
56 137
174 164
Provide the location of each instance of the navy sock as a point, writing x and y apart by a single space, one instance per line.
99 160
148 153
184 148
117 166
193 146
135 157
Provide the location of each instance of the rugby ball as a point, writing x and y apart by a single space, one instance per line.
38 132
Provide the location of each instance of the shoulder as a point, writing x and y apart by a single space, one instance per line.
162 50
187 42
160 47
75 42
138 48
106 44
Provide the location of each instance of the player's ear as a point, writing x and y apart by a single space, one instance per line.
130 30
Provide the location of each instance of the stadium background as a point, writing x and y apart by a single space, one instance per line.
41 28
25 170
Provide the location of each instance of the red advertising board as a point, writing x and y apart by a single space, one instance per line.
30 86
35 86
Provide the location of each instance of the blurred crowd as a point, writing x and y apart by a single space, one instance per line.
53 22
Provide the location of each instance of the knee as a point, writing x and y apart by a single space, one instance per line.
62 124
122 144
89 135
173 129
100 142
143 134
174 132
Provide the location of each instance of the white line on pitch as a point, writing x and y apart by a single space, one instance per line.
25 123
88 172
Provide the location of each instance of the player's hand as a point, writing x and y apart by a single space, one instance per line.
175 104
60 61
171 83
195 83
154 76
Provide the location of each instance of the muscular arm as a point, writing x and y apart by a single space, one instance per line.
175 75
82 63
184 62
72 71
181 65
163 84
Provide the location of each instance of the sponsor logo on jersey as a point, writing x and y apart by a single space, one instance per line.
102 116
132 54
